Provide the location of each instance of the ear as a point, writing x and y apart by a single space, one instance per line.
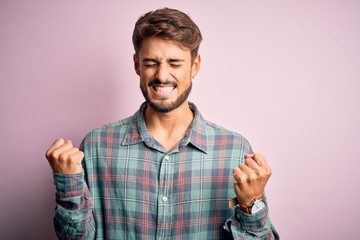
136 64
196 65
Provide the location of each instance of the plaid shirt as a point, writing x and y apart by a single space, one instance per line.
133 188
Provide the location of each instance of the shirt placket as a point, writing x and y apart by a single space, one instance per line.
164 198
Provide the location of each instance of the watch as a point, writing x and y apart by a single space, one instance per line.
256 206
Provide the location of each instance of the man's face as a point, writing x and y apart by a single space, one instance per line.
165 72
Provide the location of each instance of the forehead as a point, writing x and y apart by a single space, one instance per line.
160 48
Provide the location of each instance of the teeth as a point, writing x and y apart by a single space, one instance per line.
164 89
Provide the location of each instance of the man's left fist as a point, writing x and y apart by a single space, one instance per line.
251 178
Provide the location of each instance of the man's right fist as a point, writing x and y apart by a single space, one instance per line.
63 157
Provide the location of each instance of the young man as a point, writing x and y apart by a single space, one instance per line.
165 172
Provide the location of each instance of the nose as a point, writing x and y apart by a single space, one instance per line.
162 73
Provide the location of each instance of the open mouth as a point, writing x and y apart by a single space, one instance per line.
163 89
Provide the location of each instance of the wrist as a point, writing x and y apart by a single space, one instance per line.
250 200
255 206
235 201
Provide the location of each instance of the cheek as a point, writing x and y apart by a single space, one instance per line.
143 81
144 76
183 75
147 74
185 78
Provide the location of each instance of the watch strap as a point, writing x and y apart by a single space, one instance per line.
245 208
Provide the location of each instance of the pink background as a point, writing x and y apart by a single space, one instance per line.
285 74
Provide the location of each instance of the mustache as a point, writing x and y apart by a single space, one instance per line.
158 82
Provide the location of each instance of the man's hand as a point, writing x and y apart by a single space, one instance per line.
63 157
251 178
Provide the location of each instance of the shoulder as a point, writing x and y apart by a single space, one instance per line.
114 130
120 123
115 126
218 129
219 134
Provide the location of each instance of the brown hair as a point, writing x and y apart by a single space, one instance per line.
168 24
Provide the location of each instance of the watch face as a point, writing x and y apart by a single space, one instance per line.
258 206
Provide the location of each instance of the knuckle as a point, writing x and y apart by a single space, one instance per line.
242 178
241 181
252 178
63 156
76 157
258 173
47 154
54 155
242 166
263 175
248 160
73 158
267 171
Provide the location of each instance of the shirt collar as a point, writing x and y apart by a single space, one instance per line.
137 131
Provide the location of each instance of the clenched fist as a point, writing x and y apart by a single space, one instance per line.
63 157
251 178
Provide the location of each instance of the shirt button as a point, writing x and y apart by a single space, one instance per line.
164 198
166 157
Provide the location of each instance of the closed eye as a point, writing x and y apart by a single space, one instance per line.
175 65
150 62
175 62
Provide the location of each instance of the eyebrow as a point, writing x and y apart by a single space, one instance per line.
150 60
170 60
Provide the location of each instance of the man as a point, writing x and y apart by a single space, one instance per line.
165 172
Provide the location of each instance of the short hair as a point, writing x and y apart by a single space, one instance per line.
168 24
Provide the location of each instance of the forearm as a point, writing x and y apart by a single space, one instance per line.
73 215
251 226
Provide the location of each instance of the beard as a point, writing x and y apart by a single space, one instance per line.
166 107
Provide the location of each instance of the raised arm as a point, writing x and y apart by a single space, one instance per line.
73 215
251 219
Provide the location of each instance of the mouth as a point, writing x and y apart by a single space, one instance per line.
163 89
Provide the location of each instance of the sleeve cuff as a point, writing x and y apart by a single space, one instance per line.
247 222
250 222
69 185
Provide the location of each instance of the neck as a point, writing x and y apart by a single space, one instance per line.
169 128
